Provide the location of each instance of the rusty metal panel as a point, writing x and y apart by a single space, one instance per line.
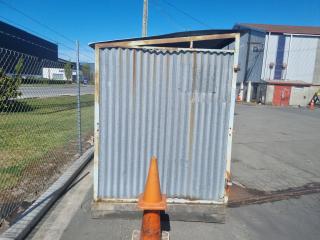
175 105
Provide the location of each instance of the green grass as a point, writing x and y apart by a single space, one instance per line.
46 85
39 131
62 85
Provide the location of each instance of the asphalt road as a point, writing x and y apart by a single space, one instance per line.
273 149
54 91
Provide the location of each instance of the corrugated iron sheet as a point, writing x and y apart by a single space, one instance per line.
174 105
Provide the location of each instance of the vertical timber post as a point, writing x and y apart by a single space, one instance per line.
78 103
231 115
96 124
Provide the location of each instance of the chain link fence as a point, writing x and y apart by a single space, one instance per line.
38 126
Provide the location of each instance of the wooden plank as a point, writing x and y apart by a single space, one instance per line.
231 114
96 124
166 40
172 49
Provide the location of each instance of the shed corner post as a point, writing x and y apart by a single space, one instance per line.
96 124
231 115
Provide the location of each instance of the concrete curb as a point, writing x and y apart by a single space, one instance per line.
210 213
36 211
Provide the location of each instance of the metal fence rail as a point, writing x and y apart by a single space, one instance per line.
39 129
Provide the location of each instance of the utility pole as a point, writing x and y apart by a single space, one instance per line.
145 19
78 102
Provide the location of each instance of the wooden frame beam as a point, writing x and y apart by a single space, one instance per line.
172 49
136 43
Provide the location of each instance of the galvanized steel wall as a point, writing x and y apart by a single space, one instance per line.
174 105
300 57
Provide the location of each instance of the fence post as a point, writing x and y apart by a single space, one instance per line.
78 102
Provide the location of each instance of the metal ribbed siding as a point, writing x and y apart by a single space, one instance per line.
173 105
300 57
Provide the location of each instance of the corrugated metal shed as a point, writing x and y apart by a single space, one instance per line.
175 103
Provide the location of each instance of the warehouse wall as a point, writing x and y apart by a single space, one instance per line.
242 56
255 56
15 39
269 56
316 73
300 59
299 96
269 94
251 56
301 62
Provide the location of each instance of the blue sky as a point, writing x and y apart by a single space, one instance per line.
95 20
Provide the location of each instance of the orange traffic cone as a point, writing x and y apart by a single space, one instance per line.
152 201
312 105
239 98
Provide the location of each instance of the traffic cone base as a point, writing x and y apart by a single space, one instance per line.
136 235
145 205
151 225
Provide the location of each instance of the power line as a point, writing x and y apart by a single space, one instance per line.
36 33
9 21
168 16
24 40
186 14
43 25
27 41
36 21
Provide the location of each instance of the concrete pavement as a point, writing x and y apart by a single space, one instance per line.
273 149
276 148
291 219
54 90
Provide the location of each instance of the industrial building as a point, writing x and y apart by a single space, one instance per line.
16 43
18 40
57 74
40 55
279 64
